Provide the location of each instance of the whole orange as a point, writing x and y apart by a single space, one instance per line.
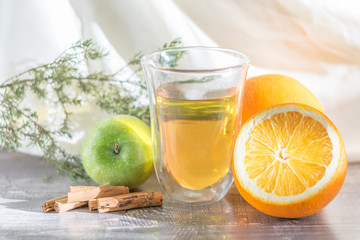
265 91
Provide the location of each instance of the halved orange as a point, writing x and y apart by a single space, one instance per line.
289 161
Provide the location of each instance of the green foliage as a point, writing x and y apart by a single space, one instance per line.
64 83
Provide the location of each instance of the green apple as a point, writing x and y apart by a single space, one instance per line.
118 150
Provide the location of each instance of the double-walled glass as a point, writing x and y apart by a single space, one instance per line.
195 99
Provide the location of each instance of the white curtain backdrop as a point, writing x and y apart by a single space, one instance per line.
316 42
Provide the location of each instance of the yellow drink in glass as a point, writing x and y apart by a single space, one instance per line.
198 135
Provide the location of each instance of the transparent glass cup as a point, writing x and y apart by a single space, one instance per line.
195 100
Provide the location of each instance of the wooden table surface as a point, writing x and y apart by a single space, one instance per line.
26 182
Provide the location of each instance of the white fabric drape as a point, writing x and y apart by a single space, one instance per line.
316 42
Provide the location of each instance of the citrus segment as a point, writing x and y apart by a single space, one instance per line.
286 155
308 173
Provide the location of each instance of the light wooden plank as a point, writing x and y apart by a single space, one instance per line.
23 190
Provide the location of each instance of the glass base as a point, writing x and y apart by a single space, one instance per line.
201 197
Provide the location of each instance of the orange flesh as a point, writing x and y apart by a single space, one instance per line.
286 159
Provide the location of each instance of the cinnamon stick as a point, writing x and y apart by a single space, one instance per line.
129 201
49 204
64 206
85 193
92 204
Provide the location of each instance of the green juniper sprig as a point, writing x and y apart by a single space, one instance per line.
65 83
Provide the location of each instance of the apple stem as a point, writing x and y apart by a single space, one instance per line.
116 149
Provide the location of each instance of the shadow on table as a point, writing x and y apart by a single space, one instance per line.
32 205
252 223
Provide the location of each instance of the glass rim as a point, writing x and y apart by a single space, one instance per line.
145 60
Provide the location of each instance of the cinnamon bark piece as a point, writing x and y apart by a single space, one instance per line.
129 201
49 204
85 193
64 206
92 204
